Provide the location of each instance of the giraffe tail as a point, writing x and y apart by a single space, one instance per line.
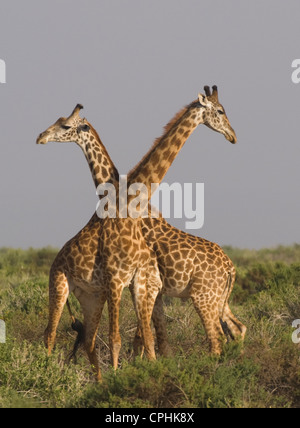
79 328
227 290
226 293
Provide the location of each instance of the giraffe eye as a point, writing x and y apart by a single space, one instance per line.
66 127
220 112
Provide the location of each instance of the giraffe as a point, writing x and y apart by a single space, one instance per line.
125 258
79 263
175 250
195 268
192 267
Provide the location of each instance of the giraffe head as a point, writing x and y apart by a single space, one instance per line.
213 114
65 130
80 131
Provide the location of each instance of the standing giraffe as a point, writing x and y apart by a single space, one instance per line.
85 281
190 266
193 267
103 266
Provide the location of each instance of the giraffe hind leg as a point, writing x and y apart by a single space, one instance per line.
155 307
92 307
209 315
58 295
159 321
231 326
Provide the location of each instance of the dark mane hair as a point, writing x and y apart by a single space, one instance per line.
167 129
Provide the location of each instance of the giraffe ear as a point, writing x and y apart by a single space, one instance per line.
202 100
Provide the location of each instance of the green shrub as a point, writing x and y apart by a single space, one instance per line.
27 373
179 382
266 299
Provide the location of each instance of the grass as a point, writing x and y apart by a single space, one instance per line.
265 373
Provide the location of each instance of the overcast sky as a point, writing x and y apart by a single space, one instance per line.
133 64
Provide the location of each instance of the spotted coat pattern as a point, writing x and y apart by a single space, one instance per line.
188 266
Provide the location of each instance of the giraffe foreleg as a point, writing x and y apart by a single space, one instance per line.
114 300
144 301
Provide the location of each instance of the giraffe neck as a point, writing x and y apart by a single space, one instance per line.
155 164
101 166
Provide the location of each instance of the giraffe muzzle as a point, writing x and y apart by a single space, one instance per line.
231 137
41 139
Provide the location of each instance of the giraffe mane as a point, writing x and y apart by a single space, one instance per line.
177 117
172 123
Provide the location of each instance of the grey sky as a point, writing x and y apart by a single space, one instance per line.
133 64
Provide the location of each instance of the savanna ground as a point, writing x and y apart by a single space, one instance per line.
266 374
